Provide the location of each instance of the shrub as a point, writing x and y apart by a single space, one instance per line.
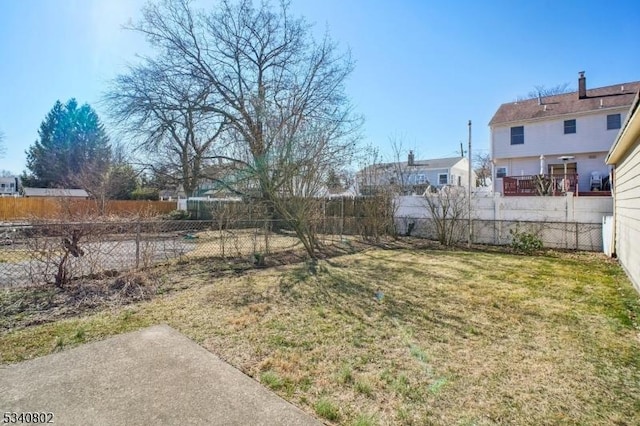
259 260
525 242
179 215
145 193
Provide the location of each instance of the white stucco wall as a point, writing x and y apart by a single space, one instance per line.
537 209
561 215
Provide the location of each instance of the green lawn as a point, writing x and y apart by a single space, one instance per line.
453 337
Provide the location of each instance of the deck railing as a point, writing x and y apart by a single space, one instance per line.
556 184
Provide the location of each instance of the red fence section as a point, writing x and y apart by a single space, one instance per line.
539 184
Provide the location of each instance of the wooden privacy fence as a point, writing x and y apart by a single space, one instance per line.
12 208
361 206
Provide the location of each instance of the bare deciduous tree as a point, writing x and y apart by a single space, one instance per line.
279 92
379 207
482 168
376 176
540 91
164 113
401 166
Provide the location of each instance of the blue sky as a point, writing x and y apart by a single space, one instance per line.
423 68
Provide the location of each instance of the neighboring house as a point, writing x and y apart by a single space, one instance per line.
172 194
218 181
9 186
543 135
414 176
624 156
54 192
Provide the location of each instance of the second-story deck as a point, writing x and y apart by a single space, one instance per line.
556 184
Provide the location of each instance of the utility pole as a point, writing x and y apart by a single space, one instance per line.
469 191
461 150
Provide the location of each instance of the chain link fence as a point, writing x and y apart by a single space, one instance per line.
39 253
557 235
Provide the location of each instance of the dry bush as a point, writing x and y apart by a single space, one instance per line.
132 286
376 217
76 241
447 209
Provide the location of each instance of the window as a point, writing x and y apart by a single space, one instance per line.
501 172
517 135
613 121
569 126
421 179
442 178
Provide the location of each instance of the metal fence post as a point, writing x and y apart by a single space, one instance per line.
577 235
267 230
341 216
137 245
472 237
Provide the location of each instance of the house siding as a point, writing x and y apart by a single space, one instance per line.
627 208
548 137
462 170
9 185
589 145
431 175
430 169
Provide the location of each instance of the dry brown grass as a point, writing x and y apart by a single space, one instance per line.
242 242
14 256
463 338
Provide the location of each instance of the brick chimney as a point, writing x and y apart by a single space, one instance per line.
410 160
582 85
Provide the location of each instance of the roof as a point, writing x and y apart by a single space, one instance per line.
618 95
629 133
434 163
54 192
439 163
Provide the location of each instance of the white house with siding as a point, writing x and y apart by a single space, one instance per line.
414 176
624 156
579 126
9 185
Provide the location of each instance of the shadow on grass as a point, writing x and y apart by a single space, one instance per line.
390 290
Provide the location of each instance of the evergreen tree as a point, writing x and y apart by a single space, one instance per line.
72 149
122 182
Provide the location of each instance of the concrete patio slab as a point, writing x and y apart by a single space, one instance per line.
152 376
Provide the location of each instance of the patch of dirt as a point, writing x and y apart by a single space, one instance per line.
37 305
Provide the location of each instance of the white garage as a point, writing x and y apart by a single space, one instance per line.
624 156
